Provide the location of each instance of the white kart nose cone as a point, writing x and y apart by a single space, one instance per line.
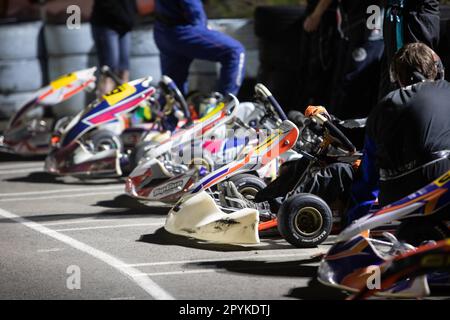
200 218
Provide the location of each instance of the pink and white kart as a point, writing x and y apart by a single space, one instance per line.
28 133
171 169
157 166
88 146
356 260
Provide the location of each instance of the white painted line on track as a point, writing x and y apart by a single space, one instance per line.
121 187
174 273
64 196
246 258
145 283
23 166
51 224
8 172
49 250
113 227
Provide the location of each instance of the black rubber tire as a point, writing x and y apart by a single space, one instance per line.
417 230
244 182
102 136
310 204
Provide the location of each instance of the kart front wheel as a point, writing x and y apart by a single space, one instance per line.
305 220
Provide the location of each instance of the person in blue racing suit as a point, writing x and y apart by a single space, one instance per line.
182 35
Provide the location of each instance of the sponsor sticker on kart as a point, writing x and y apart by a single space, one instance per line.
169 188
121 92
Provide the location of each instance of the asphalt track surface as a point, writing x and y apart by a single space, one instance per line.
64 238
53 229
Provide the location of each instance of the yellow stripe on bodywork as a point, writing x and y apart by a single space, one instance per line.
269 141
213 112
63 81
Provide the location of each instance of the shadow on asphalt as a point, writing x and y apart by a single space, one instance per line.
119 212
292 269
133 205
317 291
44 177
297 268
162 237
7 157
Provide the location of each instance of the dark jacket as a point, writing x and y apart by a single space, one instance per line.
421 23
408 127
118 15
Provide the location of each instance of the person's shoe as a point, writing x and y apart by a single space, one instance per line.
231 197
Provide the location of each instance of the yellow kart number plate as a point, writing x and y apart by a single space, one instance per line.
121 92
63 81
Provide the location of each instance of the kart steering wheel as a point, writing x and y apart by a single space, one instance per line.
266 95
320 116
339 136
169 87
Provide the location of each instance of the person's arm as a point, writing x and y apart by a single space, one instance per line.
312 22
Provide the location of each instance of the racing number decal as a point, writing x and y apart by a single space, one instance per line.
63 81
119 93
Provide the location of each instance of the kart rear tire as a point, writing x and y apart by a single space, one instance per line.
103 138
305 220
415 231
248 185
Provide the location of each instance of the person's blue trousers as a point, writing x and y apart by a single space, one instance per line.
113 49
180 45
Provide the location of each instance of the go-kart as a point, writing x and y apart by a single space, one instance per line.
166 175
355 257
159 123
432 260
198 215
304 220
88 145
28 132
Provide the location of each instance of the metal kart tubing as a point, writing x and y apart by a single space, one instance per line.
167 84
262 91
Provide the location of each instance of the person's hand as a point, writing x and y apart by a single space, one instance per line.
312 23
